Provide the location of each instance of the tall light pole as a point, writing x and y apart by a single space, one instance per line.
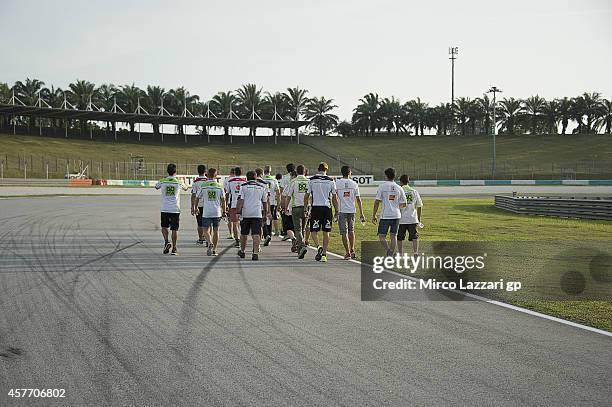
494 90
453 52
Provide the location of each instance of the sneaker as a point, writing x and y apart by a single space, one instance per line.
209 252
285 238
255 256
241 254
167 247
200 241
353 255
267 240
214 252
324 259
237 243
389 253
230 237
294 247
174 252
347 256
302 252
205 243
319 253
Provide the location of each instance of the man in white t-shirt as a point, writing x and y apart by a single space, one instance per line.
211 199
197 210
253 207
170 188
294 204
229 223
286 220
274 196
392 199
231 197
321 193
411 216
348 194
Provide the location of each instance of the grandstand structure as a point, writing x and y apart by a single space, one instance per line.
67 112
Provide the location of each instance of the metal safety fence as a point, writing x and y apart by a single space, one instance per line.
574 207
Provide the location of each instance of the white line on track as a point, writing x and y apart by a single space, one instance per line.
498 303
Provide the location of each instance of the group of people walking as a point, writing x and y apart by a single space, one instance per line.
294 206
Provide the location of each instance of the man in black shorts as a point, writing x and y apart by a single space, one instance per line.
286 218
253 207
170 188
273 196
322 191
197 210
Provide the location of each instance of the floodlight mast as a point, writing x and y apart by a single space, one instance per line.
453 52
494 90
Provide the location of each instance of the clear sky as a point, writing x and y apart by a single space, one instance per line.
337 49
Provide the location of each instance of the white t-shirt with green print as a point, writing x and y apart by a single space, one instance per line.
413 201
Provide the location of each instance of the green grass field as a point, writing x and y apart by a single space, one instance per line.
524 156
556 156
466 219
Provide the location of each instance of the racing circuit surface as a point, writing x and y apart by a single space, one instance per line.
89 304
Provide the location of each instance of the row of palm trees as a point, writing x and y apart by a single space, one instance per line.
589 112
249 101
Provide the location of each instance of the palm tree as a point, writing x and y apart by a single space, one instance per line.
510 110
564 112
577 113
250 103
153 102
550 113
476 114
105 98
366 114
55 98
5 96
223 103
443 117
28 92
390 114
485 108
5 92
532 109
318 111
275 105
415 114
592 107
129 96
80 93
605 116
180 103
296 103
463 110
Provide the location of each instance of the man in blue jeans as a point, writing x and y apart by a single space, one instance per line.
392 198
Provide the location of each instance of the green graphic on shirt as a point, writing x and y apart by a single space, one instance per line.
212 195
170 190
302 187
409 197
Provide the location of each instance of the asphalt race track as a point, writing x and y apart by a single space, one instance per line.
89 304
368 191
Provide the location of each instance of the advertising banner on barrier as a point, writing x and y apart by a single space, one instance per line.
361 180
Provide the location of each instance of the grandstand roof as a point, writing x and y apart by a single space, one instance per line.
102 116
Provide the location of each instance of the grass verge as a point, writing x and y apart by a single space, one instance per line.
476 219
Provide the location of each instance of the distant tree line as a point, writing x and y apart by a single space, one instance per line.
587 113
246 102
